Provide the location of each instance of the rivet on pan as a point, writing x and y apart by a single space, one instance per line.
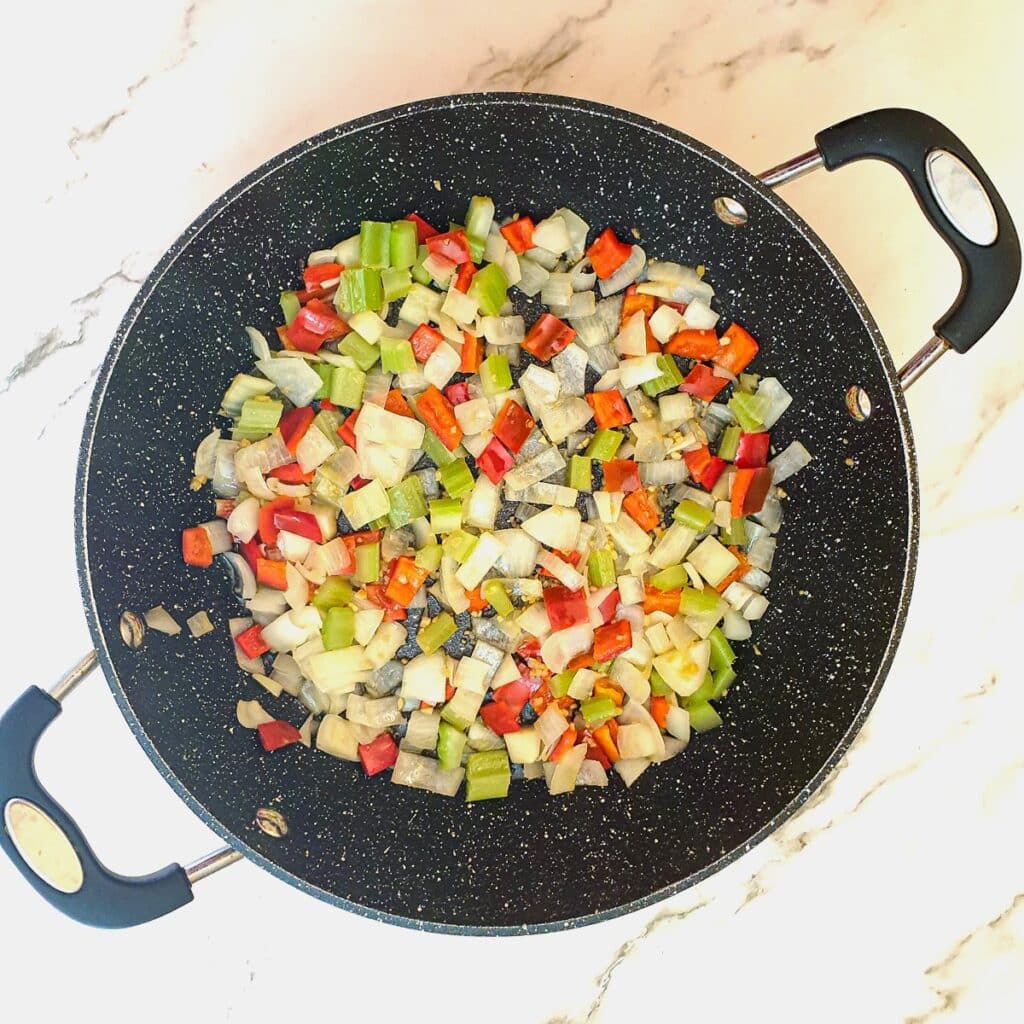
133 629
272 822
731 211
858 404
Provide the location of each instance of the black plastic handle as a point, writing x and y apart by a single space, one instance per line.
105 899
906 139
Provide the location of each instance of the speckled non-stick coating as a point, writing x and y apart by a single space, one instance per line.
840 582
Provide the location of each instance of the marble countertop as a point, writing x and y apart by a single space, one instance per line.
897 893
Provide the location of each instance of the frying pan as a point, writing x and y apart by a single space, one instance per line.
842 578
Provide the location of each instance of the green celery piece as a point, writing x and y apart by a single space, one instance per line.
749 411
407 501
703 717
735 534
429 557
396 283
495 374
601 568
243 386
478 223
260 413
381 523
670 377
603 445
375 243
456 478
729 443
290 306
359 349
445 515
698 602
693 515
361 289
248 434
326 372
672 578
367 563
419 275
559 684
433 637
748 382
332 593
489 287
495 594
339 628
659 688
461 709
327 422
396 355
703 692
724 678
347 387
459 545
488 775
450 744
436 451
579 475
402 244
597 710
722 654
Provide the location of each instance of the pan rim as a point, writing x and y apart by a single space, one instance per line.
394 114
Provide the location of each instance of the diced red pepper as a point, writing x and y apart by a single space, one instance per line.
659 710
752 451
621 475
292 474
316 277
565 607
423 229
604 687
547 337
519 234
406 579
564 744
513 425
595 753
303 524
529 648
463 277
196 547
223 507
610 408
749 489
251 552
572 557
393 612
603 735
738 573
476 599
643 509
737 351
584 660
704 467
702 382
437 413
515 694
378 755
268 531
457 393
277 734
293 426
607 608
495 461
251 642
315 324
272 572
692 344
347 431
472 353
500 717
612 639
656 600
424 340
396 403
452 245
326 403
607 253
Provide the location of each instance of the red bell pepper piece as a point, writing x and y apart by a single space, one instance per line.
659 710
303 524
424 340
251 552
476 599
268 531
547 337
251 642
564 744
581 661
565 607
749 489
752 451
519 234
463 276
277 734
378 755
737 351
196 547
607 253
347 431
495 461
595 753
529 648
612 639
500 717
423 229
293 426
315 324
704 467
457 393
610 408
272 572
322 275
292 474
703 383
513 425
656 600
621 475
375 595
437 413
693 344
634 302
608 607
406 578
515 694
643 509
452 245
606 740
472 353
396 403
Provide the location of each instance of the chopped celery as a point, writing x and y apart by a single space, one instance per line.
396 355
419 275
495 375
495 594
488 775
735 534
327 422
748 381
290 306
429 557
694 516
488 288
367 563
407 501
698 602
360 289
456 478
436 451
729 443
459 545
749 411
375 243
402 244
671 578
580 474
670 377
356 346
347 385
559 684
248 434
597 710
326 371
260 414
478 223
450 744
243 386
339 628
334 591
703 717
445 515
722 654
461 710
603 445
601 568
724 678
659 688
703 693
432 637
396 283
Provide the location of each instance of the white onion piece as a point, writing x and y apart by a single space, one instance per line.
561 647
217 532
532 276
626 274
483 504
552 234
258 341
199 624
244 579
699 315
639 370
632 337
205 464
503 330
660 474
735 627
424 678
790 460
295 378
160 619
777 397
555 527
557 290
562 776
577 228
582 276
314 449
244 520
550 726
419 772
250 714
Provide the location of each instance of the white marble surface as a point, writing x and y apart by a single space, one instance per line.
898 893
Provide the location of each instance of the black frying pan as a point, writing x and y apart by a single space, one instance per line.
841 581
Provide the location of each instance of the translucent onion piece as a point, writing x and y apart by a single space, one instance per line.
503 330
790 460
260 348
225 476
205 463
570 366
626 274
243 579
160 619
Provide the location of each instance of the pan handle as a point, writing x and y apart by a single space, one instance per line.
957 197
49 849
